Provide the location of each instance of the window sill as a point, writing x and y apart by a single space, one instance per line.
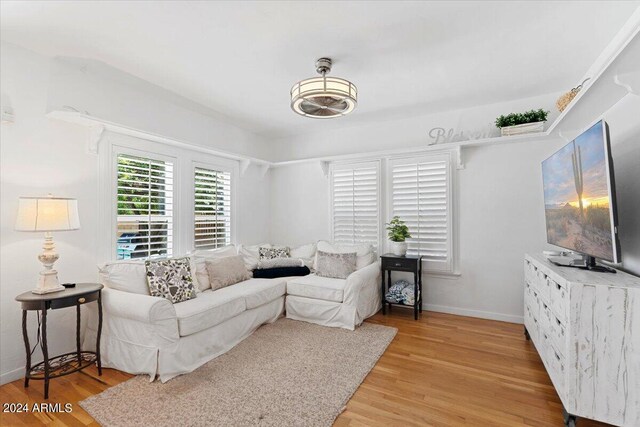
443 274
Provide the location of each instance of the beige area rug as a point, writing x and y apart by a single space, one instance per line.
288 373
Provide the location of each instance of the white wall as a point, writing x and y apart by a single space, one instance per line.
110 94
299 204
500 217
40 155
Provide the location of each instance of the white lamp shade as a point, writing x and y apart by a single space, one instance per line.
47 214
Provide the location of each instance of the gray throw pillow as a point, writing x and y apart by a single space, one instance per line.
337 266
170 279
226 271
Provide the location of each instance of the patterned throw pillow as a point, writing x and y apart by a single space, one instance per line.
338 266
170 279
271 253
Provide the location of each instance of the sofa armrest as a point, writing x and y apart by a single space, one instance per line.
363 284
138 319
142 308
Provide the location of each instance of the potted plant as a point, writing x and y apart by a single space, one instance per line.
398 233
521 123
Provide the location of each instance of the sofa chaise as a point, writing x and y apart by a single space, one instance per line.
143 334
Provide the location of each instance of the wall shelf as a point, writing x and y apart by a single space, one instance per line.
96 128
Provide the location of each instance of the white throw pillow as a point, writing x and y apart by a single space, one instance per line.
280 262
364 252
250 254
305 252
126 275
199 257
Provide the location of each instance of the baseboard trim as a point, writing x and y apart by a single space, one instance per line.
10 376
475 313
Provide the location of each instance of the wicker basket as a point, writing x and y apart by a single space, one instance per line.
566 98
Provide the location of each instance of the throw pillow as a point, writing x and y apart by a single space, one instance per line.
365 253
280 262
271 253
226 271
338 266
273 273
198 258
171 279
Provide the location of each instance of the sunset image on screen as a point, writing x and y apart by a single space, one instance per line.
576 196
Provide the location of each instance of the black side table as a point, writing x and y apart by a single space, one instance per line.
67 363
409 263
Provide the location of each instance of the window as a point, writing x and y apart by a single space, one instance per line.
145 207
212 208
420 194
355 203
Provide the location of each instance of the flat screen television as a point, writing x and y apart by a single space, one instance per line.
579 197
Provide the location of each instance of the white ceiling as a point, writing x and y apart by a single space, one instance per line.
241 58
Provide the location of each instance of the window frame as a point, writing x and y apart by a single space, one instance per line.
333 167
184 162
450 266
219 167
157 158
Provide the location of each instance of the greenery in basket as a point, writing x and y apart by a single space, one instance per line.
513 119
398 231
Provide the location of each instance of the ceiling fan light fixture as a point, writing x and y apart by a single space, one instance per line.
324 97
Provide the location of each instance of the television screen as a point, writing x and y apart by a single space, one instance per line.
579 196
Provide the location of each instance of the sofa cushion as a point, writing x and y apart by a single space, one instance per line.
305 252
250 254
364 252
128 276
210 308
258 292
277 272
313 286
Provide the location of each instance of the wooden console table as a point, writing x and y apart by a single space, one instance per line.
67 363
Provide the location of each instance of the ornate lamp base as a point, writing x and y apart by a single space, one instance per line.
48 281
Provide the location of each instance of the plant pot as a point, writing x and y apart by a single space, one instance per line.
522 129
398 248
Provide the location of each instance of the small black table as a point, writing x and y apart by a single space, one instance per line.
67 363
408 263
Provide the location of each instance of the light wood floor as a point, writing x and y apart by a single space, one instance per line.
442 370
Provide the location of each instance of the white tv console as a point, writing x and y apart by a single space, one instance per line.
586 327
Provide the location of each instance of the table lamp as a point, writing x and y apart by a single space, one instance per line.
47 214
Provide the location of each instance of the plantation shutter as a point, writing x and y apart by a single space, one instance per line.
355 203
145 207
212 208
420 196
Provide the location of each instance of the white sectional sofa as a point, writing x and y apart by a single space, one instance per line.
149 335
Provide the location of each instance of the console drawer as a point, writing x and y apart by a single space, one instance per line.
531 323
543 286
402 264
558 335
559 299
